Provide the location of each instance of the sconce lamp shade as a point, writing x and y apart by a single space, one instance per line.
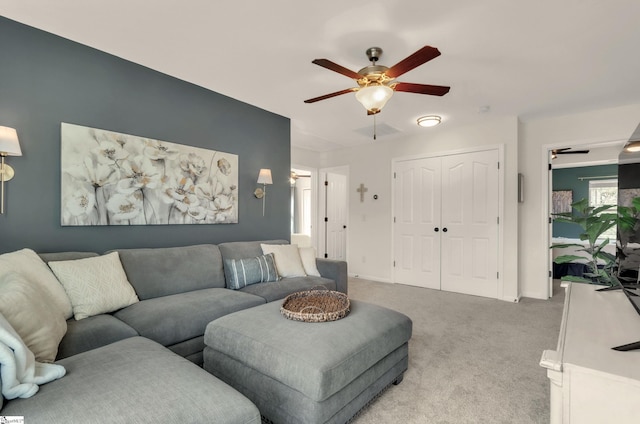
9 144
265 177
374 97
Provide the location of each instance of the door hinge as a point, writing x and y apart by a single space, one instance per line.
394 175
550 220
394 219
498 165
326 256
326 219
550 274
549 167
498 275
498 220
394 264
326 183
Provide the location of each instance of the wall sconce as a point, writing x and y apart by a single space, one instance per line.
264 178
9 146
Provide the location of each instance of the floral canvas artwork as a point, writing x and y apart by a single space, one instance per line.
110 178
561 201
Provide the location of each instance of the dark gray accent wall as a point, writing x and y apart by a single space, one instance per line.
46 80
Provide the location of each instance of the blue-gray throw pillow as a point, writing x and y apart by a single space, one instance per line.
243 272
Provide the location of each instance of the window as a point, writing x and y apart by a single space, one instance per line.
604 192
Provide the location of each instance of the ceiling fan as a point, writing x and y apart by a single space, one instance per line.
376 83
566 151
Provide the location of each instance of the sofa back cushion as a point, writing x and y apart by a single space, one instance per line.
245 249
163 271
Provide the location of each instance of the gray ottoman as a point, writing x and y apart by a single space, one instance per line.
298 372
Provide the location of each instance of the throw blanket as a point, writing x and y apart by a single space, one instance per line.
20 374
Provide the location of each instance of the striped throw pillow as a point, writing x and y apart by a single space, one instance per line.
243 272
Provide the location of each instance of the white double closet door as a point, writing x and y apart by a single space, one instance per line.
446 212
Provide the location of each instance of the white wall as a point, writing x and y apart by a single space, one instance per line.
370 222
605 125
525 256
305 158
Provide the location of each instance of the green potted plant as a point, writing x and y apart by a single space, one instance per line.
594 221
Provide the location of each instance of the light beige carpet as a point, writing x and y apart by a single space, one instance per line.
471 359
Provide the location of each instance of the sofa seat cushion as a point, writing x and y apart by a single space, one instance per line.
172 319
134 381
91 333
285 286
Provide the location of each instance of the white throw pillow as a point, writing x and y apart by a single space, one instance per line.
308 256
95 285
287 258
27 263
27 307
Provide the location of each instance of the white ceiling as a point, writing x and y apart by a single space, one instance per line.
528 59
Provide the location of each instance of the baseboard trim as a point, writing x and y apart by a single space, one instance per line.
371 277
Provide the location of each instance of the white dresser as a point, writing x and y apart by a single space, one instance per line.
590 382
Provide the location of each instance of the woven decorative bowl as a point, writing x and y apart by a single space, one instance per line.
315 305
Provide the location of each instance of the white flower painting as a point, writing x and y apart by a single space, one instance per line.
110 178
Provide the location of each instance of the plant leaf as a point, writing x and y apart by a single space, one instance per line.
563 259
561 245
575 279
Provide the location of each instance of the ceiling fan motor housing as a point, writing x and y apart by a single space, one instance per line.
374 53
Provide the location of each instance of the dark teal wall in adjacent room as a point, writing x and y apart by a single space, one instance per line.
567 179
46 80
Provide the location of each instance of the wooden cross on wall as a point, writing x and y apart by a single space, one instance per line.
362 190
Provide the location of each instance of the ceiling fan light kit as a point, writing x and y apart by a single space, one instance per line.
429 121
374 97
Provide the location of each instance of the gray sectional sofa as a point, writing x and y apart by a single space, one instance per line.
136 365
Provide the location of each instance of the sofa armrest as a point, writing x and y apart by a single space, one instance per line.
334 270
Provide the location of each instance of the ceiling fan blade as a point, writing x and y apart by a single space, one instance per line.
330 95
423 55
571 152
434 90
326 63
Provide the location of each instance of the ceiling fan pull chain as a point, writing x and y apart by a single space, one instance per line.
374 127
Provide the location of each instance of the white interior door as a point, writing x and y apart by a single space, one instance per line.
417 221
336 216
470 199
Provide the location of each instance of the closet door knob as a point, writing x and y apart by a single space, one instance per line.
444 230
436 229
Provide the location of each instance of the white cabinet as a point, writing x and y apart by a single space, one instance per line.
590 382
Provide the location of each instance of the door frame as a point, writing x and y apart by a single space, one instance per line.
314 202
501 206
546 193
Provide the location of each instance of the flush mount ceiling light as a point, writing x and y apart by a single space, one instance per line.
633 146
429 121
